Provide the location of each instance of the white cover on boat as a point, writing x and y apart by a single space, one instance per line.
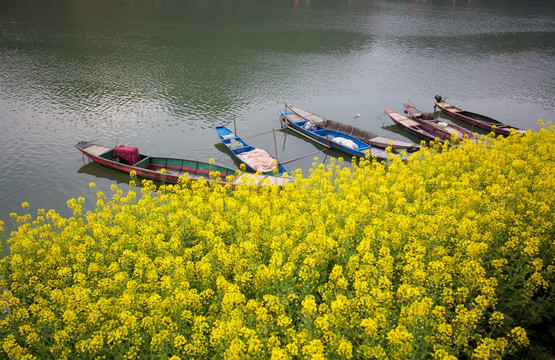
345 142
259 160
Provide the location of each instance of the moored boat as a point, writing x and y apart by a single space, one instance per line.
441 129
474 119
314 131
423 131
255 160
168 170
361 134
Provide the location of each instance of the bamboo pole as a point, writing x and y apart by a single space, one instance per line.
326 133
275 144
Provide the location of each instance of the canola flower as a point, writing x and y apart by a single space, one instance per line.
447 255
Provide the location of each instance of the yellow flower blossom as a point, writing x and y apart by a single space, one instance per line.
445 255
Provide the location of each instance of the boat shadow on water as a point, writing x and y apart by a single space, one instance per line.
223 149
99 171
397 130
106 173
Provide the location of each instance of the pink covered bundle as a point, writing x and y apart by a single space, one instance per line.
129 154
259 160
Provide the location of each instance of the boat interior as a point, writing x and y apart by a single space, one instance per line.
361 145
237 145
176 167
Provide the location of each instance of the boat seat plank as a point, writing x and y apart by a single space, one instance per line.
97 150
384 140
317 119
374 151
409 122
248 178
295 117
300 113
450 107
142 163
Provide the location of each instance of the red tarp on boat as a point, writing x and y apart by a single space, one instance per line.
127 153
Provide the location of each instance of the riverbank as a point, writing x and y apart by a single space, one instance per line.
447 255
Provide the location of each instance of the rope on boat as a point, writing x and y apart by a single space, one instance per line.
307 155
291 160
264 133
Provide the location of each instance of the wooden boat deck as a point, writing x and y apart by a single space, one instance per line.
97 150
294 117
450 107
403 119
409 122
305 114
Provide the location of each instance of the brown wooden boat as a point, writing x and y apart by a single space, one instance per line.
422 130
478 120
443 129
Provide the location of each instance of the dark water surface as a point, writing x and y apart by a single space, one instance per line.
157 74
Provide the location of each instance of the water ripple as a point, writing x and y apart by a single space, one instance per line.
157 75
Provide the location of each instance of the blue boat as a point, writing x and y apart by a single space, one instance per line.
314 131
254 159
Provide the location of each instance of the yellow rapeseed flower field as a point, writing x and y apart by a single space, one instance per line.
447 255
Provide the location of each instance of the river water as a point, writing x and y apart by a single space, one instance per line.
157 74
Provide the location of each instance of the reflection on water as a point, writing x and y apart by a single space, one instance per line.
397 130
99 171
157 74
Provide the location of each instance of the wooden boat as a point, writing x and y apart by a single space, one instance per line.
363 135
481 121
441 129
129 159
423 131
330 138
254 159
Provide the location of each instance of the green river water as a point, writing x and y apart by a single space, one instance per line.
157 74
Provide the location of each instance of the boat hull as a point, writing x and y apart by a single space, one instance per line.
478 120
325 137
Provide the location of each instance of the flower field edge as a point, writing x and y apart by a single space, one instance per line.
447 255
